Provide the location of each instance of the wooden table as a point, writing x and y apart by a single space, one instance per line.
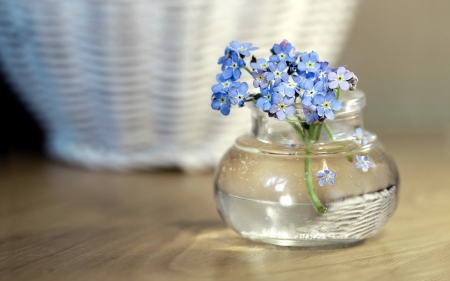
63 223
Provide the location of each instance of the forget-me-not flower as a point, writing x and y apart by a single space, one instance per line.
239 95
309 62
326 176
233 66
268 98
326 105
310 112
283 52
243 49
260 64
221 101
223 85
322 73
278 72
261 78
311 90
363 163
283 107
360 137
339 79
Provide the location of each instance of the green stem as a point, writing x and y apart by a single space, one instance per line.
329 132
312 130
338 92
318 131
248 70
297 129
309 184
308 175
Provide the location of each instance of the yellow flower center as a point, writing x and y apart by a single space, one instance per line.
310 64
282 106
326 105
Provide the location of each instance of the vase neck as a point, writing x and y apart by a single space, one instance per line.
294 130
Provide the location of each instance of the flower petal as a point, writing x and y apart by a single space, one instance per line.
322 181
314 57
260 102
341 70
281 115
274 58
332 76
215 104
344 85
217 88
348 75
243 88
329 114
304 57
274 108
336 105
225 109
333 84
290 110
235 45
301 66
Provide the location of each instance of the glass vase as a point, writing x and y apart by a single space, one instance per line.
269 186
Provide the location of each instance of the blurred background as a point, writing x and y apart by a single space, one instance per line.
112 84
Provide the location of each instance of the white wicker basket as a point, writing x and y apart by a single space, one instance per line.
125 84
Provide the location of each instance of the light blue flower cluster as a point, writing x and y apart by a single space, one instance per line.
228 91
285 79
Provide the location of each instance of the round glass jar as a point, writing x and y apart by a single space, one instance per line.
262 189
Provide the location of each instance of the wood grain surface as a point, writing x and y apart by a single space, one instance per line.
65 223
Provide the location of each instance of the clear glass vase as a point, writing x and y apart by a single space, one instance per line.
267 184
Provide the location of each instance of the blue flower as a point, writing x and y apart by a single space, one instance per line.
322 73
268 98
311 90
309 62
283 52
223 85
326 105
363 163
262 78
339 79
360 137
282 107
278 72
310 112
288 87
243 49
233 66
260 64
326 176
221 101
239 95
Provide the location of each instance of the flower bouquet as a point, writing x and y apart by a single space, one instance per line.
288 78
